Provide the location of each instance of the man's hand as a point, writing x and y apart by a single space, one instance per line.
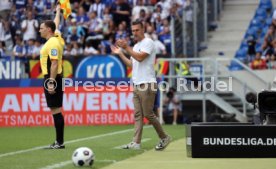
122 43
58 8
115 49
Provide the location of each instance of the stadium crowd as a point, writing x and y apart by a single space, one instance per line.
96 24
261 38
92 27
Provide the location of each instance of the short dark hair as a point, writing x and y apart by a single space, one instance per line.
137 22
50 24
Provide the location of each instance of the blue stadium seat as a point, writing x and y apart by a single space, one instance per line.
264 31
261 12
257 21
241 53
261 19
235 66
268 21
266 4
258 46
252 31
243 44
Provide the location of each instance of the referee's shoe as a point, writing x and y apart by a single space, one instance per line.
56 145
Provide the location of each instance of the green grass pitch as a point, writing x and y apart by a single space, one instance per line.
20 148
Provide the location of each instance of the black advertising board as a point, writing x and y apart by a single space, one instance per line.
232 140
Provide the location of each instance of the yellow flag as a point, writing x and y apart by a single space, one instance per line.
66 7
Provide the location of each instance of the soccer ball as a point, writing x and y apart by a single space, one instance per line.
83 156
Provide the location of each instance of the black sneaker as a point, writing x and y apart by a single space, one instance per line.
163 143
56 145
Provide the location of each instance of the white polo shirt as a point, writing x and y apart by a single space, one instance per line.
143 72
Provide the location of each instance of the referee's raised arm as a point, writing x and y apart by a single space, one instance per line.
57 17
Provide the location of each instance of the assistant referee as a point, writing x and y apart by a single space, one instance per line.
51 65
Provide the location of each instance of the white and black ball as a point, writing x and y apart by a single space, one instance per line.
83 156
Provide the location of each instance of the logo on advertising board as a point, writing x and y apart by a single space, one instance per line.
11 69
28 107
107 66
35 69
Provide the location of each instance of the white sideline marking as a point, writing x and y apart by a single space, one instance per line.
143 140
106 161
58 165
64 163
69 142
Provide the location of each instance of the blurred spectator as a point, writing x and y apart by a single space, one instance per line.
77 47
160 48
157 13
69 51
107 16
161 29
36 50
121 33
165 38
2 49
258 62
30 6
89 50
82 17
173 106
19 50
29 27
143 16
272 62
251 43
109 29
95 26
166 6
75 6
267 45
189 20
74 37
175 11
5 8
97 7
105 45
121 12
20 5
49 7
73 25
39 5
137 8
150 32
15 25
30 48
85 4
3 29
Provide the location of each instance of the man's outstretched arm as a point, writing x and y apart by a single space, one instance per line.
57 17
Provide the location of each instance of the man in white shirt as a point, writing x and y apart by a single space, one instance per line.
29 27
145 85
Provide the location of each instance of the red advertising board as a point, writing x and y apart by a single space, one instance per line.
27 106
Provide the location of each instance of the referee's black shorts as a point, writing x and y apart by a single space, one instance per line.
54 100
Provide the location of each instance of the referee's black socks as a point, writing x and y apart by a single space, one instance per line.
59 125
